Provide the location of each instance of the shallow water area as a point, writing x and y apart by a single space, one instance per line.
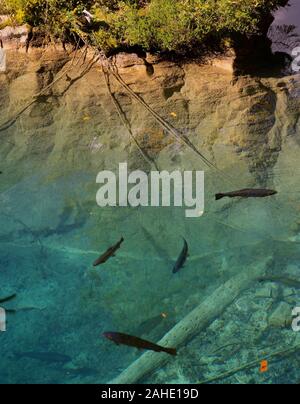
51 229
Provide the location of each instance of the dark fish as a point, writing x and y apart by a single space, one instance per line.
108 254
182 258
50 357
8 298
247 193
124 339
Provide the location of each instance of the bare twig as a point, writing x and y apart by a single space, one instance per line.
125 121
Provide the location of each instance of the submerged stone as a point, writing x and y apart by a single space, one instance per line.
281 316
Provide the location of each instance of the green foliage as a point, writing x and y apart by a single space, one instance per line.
162 25
15 8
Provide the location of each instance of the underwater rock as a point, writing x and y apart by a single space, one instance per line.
293 270
267 291
281 316
288 292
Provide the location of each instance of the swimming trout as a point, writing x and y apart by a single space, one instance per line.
247 193
124 339
182 258
108 254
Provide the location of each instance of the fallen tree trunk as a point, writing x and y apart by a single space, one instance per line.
194 322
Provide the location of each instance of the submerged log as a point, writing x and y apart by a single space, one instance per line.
196 321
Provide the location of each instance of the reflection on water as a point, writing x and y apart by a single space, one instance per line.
51 232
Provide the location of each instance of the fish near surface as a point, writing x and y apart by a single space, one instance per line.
135 342
182 258
247 193
108 254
